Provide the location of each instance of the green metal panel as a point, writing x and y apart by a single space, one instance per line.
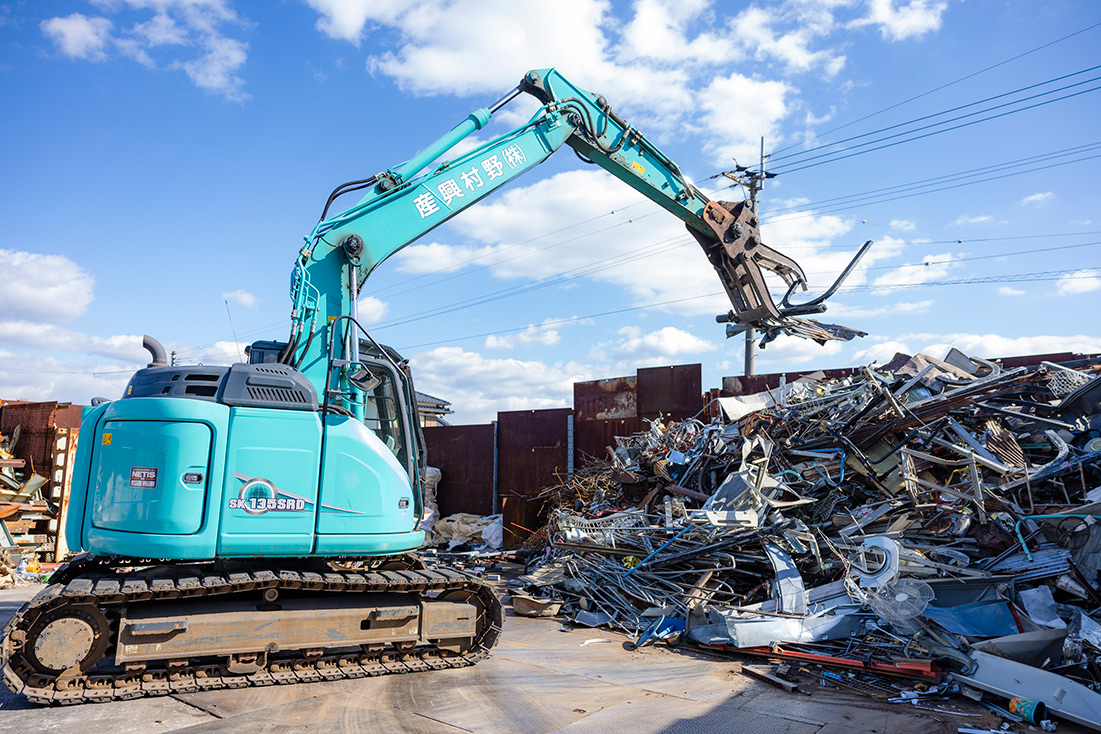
141 475
364 488
270 495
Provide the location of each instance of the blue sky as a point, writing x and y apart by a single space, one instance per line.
162 160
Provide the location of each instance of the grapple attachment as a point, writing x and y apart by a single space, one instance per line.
739 256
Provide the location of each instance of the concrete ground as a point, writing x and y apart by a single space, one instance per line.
541 678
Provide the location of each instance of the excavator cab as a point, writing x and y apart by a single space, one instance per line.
386 392
390 406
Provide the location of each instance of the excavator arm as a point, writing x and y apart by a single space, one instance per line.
409 200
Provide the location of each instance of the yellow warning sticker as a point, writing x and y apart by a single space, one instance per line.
107 439
638 167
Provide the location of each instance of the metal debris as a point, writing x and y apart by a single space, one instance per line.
931 519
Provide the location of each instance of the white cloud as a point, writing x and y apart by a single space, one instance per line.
904 224
839 310
218 353
55 338
995 345
647 349
345 19
31 376
49 288
973 219
479 387
786 353
434 257
812 240
736 135
899 20
468 47
810 120
168 39
1037 198
543 335
659 30
162 30
756 25
641 248
216 70
933 267
78 36
987 346
1007 291
1082 281
880 353
244 298
479 46
654 67
371 310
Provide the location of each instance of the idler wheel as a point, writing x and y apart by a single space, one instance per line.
67 638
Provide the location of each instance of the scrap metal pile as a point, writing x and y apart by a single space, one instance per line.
924 519
24 514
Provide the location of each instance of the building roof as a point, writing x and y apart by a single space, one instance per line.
423 398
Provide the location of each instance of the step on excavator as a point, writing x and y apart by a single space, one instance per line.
255 524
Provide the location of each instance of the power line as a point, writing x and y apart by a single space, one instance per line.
616 261
796 154
853 200
953 261
970 241
947 178
508 260
569 275
930 134
569 320
943 86
601 265
607 263
944 188
506 247
1014 278
1073 274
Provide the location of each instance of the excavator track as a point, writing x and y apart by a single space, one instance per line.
80 612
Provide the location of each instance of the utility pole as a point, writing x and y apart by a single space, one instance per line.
753 181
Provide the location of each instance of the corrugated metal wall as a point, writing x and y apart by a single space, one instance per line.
533 451
533 446
465 456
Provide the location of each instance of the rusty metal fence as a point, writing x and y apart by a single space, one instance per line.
501 467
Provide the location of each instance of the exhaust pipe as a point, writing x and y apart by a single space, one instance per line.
156 350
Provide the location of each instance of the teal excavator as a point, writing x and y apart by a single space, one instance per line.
254 524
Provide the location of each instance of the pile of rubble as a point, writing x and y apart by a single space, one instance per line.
928 521
23 511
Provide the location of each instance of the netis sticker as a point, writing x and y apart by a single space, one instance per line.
143 477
